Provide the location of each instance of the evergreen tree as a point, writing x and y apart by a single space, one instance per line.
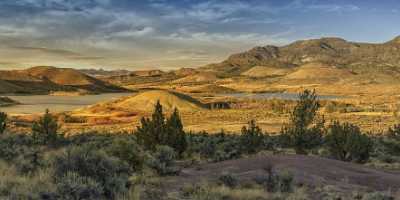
176 134
145 134
152 131
45 130
159 131
158 122
305 129
346 142
3 122
251 138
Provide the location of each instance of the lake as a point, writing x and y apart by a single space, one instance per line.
269 95
38 103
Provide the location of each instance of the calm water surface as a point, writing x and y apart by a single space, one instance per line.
38 103
286 96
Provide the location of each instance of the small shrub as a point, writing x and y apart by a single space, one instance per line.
111 173
276 182
45 130
3 122
251 139
74 186
394 131
286 181
228 180
13 146
129 151
163 161
377 196
30 162
346 142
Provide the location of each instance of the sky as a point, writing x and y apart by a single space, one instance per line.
169 34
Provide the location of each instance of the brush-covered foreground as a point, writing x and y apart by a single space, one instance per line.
309 159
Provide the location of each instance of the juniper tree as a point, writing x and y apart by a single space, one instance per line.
305 129
346 142
176 136
3 122
251 139
159 131
158 122
152 131
44 131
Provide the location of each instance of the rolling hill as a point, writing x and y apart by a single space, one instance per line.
264 71
144 102
200 77
47 79
319 72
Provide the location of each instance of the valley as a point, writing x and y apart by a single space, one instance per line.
199 100
358 82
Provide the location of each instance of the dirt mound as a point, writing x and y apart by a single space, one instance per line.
199 77
319 71
309 170
169 100
264 71
145 101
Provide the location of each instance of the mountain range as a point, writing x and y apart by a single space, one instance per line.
315 61
355 56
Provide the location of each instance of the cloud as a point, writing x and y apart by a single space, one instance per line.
311 5
125 32
333 7
136 32
213 10
50 51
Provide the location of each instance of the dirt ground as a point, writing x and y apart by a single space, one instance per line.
307 170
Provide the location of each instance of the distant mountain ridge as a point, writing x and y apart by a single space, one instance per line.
46 79
332 51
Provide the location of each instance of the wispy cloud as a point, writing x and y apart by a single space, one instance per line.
156 32
312 5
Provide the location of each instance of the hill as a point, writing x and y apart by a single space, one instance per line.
201 77
5 101
102 72
264 71
145 101
169 100
47 79
307 170
207 88
148 73
332 51
319 72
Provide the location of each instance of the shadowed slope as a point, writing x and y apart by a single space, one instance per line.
309 170
47 79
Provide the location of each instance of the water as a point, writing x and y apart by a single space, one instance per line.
38 103
285 96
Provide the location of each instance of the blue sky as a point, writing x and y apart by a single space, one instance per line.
133 34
